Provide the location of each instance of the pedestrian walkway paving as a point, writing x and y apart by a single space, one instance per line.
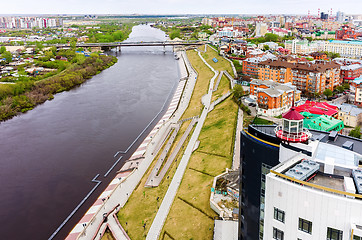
159 220
122 186
157 173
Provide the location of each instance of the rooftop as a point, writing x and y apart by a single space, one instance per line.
325 177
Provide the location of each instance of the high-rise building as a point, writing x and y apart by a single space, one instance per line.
324 16
340 17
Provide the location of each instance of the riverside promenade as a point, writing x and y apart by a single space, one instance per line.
159 220
102 213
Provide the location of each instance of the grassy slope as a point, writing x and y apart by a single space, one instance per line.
142 205
212 157
204 75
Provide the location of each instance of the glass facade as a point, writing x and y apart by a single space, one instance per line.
265 169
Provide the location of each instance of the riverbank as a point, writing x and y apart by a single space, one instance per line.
128 178
22 97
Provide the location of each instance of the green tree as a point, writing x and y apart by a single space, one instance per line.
8 56
238 91
356 132
340 89
271 37
266 47
2 49
328 93
175 33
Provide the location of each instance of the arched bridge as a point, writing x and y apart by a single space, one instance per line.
135 44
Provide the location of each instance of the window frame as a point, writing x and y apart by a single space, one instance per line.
278 212
276 233
331 231
309 225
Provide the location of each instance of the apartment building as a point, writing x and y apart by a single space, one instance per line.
273 98
312 77
304 46
250 65
352 49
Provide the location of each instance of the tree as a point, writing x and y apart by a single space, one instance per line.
340 89
328 93
356 132
175 33
266 47
2 49
271 37
8 56
238 91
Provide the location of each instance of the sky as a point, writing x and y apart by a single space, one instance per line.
178 6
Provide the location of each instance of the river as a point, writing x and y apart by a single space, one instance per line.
50 154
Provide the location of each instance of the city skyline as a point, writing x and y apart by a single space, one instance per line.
179 7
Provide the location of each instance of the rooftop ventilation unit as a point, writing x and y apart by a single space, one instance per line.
333 136
357 177
348 145
303 170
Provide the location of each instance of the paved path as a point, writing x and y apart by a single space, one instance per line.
159 220
239 127
121 187
155 179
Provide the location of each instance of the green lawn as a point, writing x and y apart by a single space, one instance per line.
221 65
142 205
107 235
223 88
210 159
202 83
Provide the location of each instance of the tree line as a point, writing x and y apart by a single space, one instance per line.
25 95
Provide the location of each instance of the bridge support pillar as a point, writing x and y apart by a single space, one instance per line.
164 49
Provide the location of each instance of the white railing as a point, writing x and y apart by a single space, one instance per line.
304 134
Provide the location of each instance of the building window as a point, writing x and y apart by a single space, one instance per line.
305 226
279 215
278 234
355 237
334 234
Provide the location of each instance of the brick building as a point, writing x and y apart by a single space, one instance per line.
273 98
308 77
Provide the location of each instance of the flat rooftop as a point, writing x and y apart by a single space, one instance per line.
333 183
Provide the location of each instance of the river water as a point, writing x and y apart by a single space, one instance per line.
49 155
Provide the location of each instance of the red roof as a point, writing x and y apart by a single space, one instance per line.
320 108
292 114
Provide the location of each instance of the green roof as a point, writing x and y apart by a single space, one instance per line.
321 122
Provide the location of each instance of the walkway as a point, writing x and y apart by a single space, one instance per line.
158 173
239 128
159 220
122 186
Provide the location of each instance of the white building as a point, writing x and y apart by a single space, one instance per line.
316 194
351 49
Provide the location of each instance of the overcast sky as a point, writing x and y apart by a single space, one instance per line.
178 6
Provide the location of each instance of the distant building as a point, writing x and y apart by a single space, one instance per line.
340 17
261 29
351 49
304 46
324 16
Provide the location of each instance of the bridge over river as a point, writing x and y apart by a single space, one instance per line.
135 44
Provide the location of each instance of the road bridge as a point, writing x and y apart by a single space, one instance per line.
134 44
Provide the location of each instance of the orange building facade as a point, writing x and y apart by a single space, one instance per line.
273 98
307 77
